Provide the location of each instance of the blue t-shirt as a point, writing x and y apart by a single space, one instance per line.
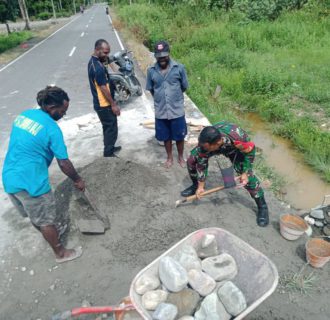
34 141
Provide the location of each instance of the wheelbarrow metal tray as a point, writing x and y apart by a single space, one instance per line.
257 275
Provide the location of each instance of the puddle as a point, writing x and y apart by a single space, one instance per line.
305 189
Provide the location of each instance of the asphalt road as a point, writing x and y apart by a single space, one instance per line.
62 60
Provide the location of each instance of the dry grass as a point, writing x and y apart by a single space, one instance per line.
298 282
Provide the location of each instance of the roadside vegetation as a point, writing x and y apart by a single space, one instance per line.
271 58
27 10
13 39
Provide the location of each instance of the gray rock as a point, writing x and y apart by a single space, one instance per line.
319 224
208 247
172 274
317 214
188 258
201 282
232 298
221 267
165 311
146 283
186 301
326 230
151 299
212 309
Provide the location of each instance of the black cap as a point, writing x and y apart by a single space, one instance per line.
162 49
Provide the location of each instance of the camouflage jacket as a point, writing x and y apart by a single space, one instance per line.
237 147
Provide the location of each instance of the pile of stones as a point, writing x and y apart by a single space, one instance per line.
193 284
320 218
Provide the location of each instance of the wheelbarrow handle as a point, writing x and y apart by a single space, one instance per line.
89 310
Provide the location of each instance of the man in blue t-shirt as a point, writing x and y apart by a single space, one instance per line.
104 104
34 141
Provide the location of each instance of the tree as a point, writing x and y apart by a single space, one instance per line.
8 12
24 13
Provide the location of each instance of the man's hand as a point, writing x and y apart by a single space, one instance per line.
244 178
115 109
199 191
80 185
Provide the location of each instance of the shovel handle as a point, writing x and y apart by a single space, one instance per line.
194 197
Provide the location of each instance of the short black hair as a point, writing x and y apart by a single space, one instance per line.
99 43
209 135
51 95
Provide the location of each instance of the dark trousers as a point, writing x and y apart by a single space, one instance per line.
110 129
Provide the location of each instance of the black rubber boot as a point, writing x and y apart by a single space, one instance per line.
190 191
262 216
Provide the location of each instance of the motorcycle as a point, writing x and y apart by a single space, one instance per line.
124 82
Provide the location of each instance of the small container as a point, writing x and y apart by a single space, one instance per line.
292 226
317 252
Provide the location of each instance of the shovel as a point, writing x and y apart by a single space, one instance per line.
100 215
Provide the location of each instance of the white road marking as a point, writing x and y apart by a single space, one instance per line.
120 43
86 25
116 33
82 34
72 51
14 92
37 45
90 21
3 107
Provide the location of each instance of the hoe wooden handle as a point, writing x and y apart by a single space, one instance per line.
194 197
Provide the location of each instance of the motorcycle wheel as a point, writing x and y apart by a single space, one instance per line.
137 83
122 93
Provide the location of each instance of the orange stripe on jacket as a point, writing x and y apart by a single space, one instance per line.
102 99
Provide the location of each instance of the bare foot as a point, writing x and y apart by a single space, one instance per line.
69 254
168 163
182 162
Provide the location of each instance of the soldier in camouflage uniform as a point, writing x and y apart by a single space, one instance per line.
234 143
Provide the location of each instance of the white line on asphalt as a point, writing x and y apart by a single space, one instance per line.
116 33
82 34
37 45
14 92
90 21
72 51
86 25
120 43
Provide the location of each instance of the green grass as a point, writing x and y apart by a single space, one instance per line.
278 69
14 39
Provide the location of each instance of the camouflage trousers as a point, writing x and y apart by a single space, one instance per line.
253 186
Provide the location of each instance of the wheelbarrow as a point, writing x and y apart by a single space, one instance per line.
257 276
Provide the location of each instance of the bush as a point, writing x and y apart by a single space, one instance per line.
64 14
14 39
44 15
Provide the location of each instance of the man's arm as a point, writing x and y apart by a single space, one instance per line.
184 80
150 85
102 81
106 92
248 150
68 169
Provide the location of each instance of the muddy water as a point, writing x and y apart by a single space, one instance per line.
304 189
